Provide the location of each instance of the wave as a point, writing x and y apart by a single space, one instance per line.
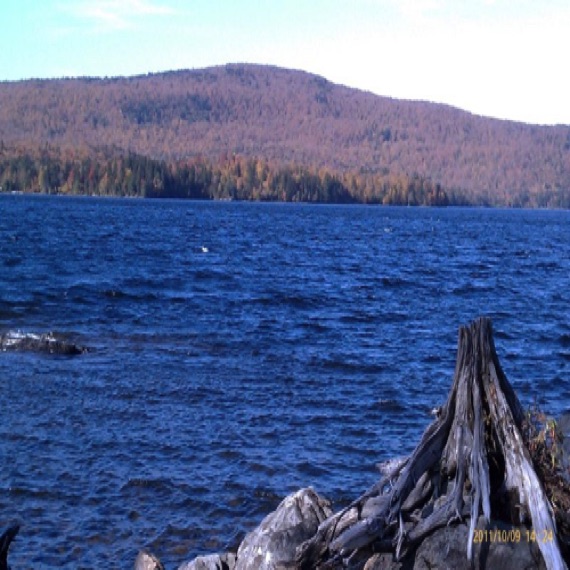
340 365
564 340
150 483
359 317
470 289
395 282
12 261
283 299
120 294
390 405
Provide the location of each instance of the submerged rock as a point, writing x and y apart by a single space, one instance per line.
47 343
273 543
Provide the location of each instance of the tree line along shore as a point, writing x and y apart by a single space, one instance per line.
232 177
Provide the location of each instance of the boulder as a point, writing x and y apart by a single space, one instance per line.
147 561
272 544
225 561
499 547
445 549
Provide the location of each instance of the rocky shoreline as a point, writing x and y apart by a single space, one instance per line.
274 544
488 486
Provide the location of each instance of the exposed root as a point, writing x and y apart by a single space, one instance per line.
471 460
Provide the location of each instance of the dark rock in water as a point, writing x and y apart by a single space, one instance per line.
5 541
147 561
225 561
46 343
272 544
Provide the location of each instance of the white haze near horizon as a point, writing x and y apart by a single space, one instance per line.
498 58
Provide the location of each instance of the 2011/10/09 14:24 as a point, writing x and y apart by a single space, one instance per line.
512 535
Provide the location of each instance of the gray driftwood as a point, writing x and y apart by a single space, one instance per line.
470 461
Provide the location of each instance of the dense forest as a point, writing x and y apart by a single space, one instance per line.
265 133
230 178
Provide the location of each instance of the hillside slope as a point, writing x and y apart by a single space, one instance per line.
287 117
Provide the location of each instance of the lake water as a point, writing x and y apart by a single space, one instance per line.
238 352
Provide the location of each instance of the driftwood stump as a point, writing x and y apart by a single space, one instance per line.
471 460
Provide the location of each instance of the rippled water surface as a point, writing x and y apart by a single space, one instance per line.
238 352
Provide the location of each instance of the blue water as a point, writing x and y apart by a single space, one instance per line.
238 352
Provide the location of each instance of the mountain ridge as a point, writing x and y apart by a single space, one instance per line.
289 117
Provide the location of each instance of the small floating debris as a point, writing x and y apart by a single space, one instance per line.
204 249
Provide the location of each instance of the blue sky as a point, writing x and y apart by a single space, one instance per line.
500 58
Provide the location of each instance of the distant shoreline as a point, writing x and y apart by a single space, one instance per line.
246 201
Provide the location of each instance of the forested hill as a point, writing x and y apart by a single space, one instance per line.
285 118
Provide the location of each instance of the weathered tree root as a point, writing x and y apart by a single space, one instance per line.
470 460
5 540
